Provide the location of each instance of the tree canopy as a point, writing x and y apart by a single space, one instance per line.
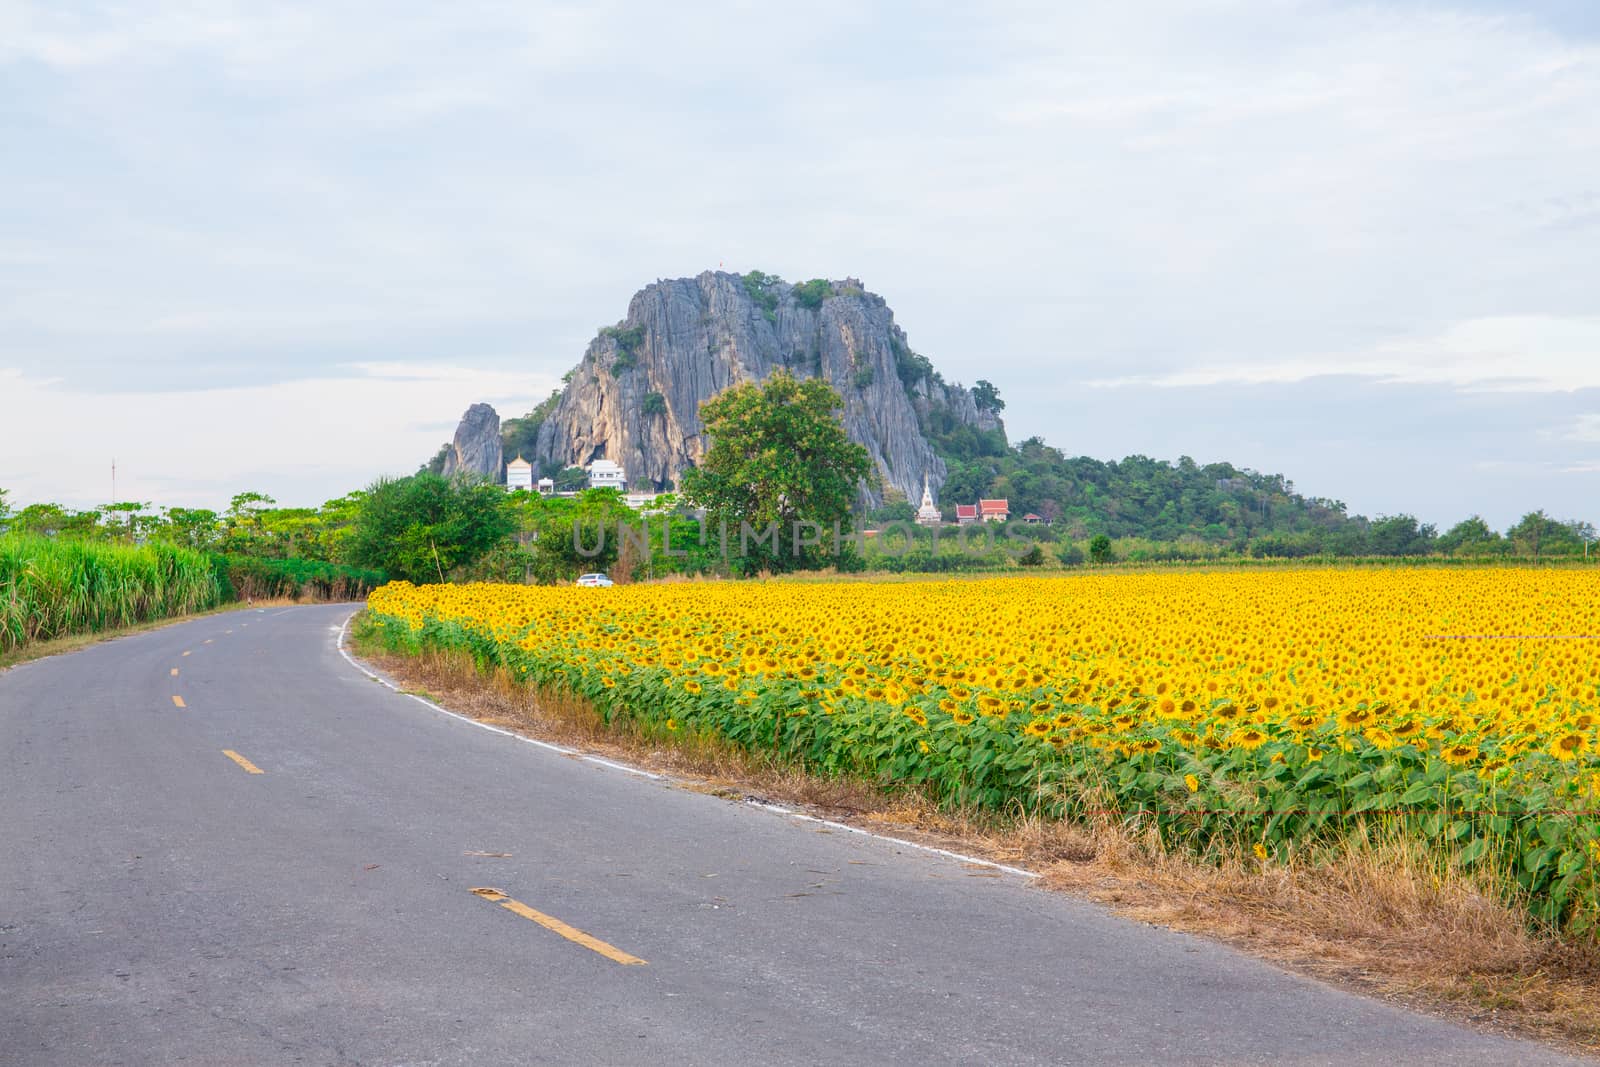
779 456
422 527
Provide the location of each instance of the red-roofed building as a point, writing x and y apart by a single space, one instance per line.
1033 520
994 510
966 514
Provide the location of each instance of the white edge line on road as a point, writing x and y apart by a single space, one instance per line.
548 745
776 809
779 809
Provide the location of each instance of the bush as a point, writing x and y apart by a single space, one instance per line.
628 340
424 526
910 367
250 577
811 294
762 288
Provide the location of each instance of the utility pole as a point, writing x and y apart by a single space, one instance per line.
113 479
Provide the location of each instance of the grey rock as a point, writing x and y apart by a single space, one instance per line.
687 339
476 448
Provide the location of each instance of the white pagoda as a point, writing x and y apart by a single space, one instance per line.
927 514
519 475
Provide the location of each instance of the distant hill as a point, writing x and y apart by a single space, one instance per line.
635 397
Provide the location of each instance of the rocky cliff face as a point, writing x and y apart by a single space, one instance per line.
635 398
476 448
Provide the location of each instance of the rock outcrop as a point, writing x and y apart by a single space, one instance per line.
635 397
476 448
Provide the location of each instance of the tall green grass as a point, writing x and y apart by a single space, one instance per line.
52 588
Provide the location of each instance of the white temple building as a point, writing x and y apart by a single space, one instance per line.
607 474
927 514
519 475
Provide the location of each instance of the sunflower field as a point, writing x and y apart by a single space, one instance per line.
1236 712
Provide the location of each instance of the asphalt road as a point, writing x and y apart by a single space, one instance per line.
160 903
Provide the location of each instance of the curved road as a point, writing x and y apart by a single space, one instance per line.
162 903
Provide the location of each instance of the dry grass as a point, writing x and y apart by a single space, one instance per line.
1374 915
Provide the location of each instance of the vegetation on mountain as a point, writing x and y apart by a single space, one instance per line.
811 294
763 289
1204 509
520 437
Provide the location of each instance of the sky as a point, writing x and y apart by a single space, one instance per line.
282 247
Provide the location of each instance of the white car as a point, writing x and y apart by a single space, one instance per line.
594 580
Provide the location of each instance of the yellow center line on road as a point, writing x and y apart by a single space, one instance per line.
177 701
174 672
250 768
186 652
207 641
550 922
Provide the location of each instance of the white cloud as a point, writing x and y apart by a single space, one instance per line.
1522 354
1585 428
1161 193
301 441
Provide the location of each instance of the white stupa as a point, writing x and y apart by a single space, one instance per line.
927 514
519 475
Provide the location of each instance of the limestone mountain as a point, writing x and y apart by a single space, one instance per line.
635 396
476 447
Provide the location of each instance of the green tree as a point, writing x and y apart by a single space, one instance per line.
5 509
198 528
986 396
1399 535
243 529
893 511
435 465
423 527
1537 534
569 536
53 520
1100 548
811 294
1470 537
964 484
779 459
291 532
520 437
570 479
336 518
763 289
